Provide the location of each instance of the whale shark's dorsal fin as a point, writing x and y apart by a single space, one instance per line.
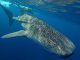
14 34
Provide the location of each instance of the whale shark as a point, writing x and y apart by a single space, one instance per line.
47 36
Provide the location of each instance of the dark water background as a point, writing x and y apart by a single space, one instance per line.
22 48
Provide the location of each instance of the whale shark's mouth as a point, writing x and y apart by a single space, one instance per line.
22 19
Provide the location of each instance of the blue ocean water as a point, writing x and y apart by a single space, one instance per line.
22 48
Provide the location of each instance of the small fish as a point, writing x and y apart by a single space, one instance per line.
45 4
24 9
47 36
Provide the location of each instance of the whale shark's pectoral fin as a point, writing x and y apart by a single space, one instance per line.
14 34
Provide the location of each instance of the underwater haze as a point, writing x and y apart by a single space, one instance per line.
22 48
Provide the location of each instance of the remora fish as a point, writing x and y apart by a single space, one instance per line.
48 37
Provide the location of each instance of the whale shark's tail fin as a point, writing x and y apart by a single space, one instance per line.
9 14
14 34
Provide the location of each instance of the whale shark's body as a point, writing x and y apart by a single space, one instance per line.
48 37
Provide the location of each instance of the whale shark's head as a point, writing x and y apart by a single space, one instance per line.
24 18
26 21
